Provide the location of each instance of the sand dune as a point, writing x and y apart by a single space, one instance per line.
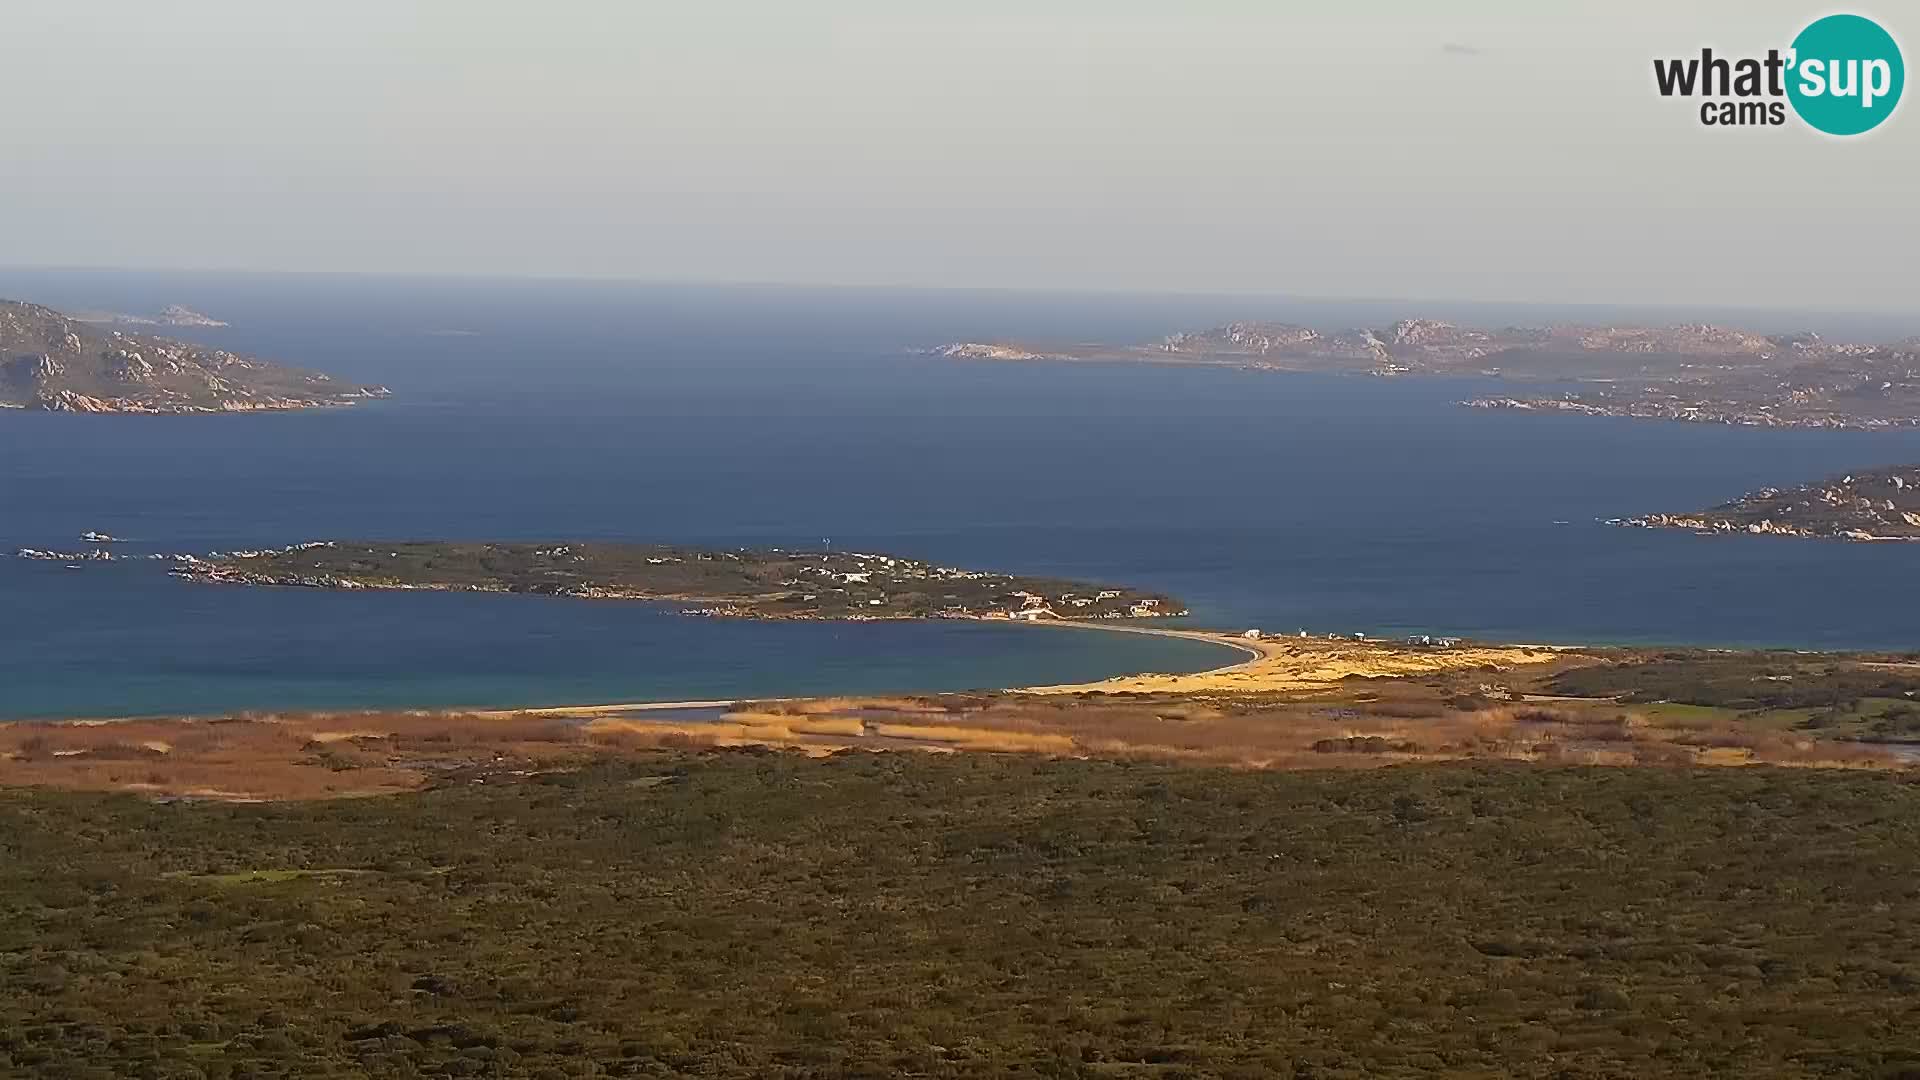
1285 664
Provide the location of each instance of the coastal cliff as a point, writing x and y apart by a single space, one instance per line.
57 363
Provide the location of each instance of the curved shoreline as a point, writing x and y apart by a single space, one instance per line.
1245 645
1286 664
1253 653
587 710
1267 665
1277 664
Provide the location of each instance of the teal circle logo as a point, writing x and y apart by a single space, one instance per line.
1846 74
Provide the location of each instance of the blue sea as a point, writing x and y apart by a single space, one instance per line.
761 415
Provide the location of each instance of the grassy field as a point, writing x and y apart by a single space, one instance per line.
755 913
1368 724
1832 695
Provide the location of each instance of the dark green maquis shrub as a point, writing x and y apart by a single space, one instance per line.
770 915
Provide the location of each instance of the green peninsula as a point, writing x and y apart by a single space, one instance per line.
763 583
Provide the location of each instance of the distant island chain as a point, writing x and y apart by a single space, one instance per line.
1698 373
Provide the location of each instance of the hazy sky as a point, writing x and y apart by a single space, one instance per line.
1480 150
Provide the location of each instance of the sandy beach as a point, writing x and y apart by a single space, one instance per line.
1268 664
1296 702
1300 663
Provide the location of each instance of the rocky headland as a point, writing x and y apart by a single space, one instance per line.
1876 505
57 363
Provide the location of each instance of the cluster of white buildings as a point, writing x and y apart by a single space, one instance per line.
1034 606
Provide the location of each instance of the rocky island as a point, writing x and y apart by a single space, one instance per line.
57 363
761 583
1699 373
171 315
1882 504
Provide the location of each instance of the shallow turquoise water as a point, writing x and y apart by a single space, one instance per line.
134 641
